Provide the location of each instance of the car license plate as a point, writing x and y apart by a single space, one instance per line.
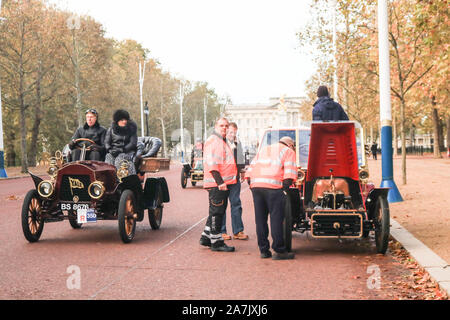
86 216
73 206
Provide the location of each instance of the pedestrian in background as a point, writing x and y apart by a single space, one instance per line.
219 172
374 149
271 173
235 189
326 109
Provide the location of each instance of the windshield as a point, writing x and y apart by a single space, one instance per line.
273 136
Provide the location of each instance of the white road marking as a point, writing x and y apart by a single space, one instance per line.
119 278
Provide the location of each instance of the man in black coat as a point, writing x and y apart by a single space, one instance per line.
374 149
91 130
326 109
121 140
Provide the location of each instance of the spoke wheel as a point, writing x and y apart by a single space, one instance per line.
382 222
32 222
184 178
126 216
155 215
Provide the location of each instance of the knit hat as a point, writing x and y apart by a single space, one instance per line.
322 92
121 114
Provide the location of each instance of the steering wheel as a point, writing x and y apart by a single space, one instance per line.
78 145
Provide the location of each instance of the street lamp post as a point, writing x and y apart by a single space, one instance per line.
181 123
141 85
146 112
205 105
2 154
335 78
387 167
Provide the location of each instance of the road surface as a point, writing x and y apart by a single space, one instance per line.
167 264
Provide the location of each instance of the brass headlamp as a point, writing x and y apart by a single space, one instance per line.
122 172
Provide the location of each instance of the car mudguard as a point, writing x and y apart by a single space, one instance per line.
130 182
133 183
187 168
152 186
36 179
372 200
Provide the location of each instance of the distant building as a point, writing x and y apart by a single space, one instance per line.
253 118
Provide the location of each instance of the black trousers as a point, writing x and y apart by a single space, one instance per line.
269 201
218 201
90 155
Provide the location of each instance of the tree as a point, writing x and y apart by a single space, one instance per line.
432 18
17 50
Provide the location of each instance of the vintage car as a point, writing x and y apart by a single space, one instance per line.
193 170
89 191
332 197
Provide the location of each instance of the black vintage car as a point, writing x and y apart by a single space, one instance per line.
88 191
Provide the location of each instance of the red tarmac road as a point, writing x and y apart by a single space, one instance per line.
170 264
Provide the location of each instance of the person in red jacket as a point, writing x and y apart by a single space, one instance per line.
220 170
271 173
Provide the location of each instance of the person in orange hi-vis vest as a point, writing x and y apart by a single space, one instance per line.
270 175
220 170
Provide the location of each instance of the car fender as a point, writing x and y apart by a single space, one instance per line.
187 167
372 200
152 185
36 179
130 182
133 183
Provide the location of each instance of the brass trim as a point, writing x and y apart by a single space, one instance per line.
336 237
362 171
101 194
301 175
39 187
123 171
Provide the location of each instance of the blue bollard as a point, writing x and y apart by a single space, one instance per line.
387 165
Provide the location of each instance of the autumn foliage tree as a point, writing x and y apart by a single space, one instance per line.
54 65
419 38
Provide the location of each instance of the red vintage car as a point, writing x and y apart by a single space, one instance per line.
88 191
333 197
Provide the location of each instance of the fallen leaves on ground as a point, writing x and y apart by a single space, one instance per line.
13 197
418 285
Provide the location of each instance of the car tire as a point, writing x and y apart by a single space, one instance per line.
287 224
73 222
382 222
155 215
32 222
126 218
184 178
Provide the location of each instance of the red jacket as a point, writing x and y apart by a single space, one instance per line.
218 157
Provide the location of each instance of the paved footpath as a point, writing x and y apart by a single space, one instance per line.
170 264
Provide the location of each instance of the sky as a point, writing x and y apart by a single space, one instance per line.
245 49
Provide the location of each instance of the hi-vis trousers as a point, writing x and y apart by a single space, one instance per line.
218 201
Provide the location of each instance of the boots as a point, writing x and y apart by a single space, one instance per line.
221 246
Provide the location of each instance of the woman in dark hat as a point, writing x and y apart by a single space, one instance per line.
91 130
121 140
